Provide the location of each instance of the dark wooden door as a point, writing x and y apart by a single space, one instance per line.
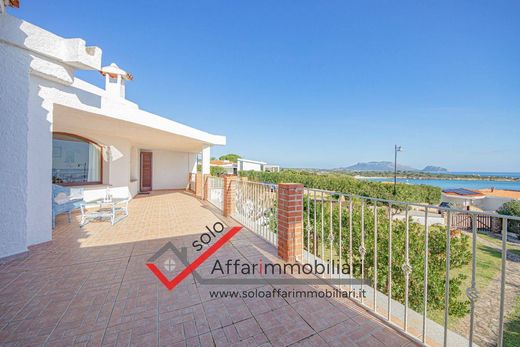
146 171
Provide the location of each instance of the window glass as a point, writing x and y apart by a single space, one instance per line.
75 160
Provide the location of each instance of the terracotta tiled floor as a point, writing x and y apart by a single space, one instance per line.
90 287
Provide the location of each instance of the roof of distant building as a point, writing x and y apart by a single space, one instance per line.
252 161
462 192
221 162
503 193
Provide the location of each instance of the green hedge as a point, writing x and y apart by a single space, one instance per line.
512 208
347 184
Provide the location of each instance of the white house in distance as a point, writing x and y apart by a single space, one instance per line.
58 128
482 199
254 165
244 165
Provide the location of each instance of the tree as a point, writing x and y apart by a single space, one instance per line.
231 157
217 171
511 208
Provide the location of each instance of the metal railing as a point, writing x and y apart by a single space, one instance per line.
465 222
216 191
255 206
410 260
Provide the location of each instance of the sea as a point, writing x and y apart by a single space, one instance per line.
470 184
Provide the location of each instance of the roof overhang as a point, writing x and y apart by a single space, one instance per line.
251 161
141 133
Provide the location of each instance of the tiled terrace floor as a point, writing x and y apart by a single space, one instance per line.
90 287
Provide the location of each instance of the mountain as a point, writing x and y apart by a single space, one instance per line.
377 166
431 168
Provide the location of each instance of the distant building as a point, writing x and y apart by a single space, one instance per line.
483 199
254 165
229 166
272 168
244 165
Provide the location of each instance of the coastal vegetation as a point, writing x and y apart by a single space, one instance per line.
343 183
419 175
512 208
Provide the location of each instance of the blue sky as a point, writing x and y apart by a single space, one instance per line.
318 83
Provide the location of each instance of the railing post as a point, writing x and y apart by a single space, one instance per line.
290 221
198 185
229 194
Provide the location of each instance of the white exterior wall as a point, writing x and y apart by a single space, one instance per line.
492 203
134 170
206 156
39 161
14 124
170 169
28 81
246 166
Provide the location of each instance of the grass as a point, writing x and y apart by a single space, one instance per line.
488 266
512 326
512 248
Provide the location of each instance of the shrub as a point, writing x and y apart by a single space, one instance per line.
350 185
512 208
231 157
460 254
217 171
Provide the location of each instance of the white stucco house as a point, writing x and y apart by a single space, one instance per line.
255 165
483 199
57 128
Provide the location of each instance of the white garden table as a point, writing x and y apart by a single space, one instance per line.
101 209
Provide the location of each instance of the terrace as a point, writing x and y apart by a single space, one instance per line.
90 286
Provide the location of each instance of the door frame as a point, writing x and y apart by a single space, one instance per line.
141 171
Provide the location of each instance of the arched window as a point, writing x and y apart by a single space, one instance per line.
75 160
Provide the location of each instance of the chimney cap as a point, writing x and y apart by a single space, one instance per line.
113 71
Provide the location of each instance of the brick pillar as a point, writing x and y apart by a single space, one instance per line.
206 186
229 194
290 226
198 185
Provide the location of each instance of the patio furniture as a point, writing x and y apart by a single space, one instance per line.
96 206
64 200
101 209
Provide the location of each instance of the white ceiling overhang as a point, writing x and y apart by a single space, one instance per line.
141 132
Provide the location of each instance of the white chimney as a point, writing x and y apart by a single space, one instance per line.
115 78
